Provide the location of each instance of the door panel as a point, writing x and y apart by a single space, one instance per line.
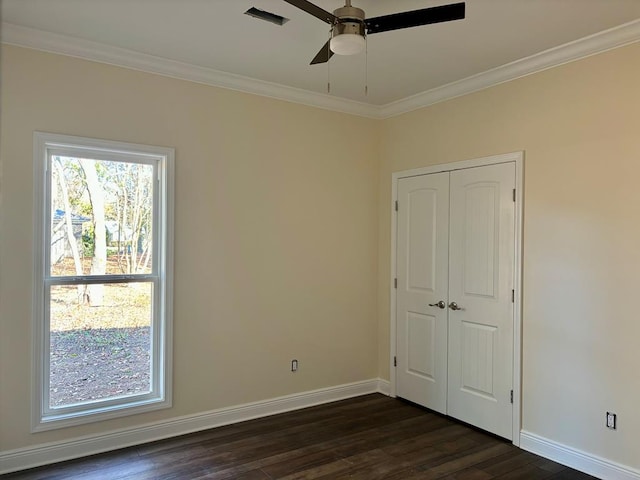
422 204
480 223
421 333
422 272
478 342
481 253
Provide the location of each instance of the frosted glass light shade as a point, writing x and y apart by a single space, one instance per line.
347 44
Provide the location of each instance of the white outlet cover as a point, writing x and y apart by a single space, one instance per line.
611 420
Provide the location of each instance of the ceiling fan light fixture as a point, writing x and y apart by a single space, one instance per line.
347 44
348 38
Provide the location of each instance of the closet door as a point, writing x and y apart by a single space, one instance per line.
422 276
481 271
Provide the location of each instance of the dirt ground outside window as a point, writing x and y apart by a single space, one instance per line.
99 352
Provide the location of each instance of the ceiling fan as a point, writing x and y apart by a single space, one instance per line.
349 27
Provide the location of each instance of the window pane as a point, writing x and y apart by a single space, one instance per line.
101 217
99 350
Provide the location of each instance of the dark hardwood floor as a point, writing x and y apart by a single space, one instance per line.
369 437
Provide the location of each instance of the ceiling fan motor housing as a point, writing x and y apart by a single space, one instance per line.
347 36
349 13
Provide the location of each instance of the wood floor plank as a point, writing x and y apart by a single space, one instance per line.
469 474
300 463
525 472
369 437
506 463
548 465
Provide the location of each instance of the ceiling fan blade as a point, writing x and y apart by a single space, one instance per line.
314 10
323 55
415 18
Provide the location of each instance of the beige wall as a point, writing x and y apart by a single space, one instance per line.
579 126
275 238
282 233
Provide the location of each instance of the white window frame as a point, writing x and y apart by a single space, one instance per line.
47 145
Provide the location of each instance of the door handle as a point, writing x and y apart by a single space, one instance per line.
454 306
440 304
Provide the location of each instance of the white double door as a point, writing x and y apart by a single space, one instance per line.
454 303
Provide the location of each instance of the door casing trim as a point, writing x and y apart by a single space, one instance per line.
518 159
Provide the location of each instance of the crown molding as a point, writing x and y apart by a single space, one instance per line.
593 44
75 47
66 45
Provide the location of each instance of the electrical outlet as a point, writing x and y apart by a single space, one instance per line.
611 420
294 365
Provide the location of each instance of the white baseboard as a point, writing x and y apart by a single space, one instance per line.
384 387
571 457
43 454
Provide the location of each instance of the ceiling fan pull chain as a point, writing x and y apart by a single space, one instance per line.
329 63
366 67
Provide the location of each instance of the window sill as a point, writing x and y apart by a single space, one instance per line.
55 421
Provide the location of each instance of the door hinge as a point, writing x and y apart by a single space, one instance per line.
514 194
513 296
511 396
395 361
396 205
395 282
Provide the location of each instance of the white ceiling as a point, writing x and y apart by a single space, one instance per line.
215 34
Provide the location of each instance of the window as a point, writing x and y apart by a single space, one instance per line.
103 292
